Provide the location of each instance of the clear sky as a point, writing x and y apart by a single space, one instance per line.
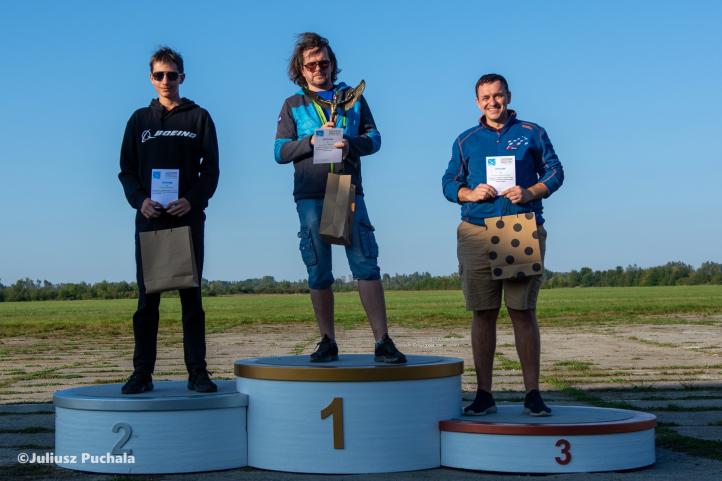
629 93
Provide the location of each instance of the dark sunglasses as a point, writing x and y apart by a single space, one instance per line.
323 65
158 76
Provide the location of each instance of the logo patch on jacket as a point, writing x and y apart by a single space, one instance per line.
516 143
147 135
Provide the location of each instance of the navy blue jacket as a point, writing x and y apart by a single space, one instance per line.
536 162
296 124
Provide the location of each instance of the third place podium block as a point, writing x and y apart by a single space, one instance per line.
574 439
353 415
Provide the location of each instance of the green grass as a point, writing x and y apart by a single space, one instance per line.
652 343
573 365
505 364
79 320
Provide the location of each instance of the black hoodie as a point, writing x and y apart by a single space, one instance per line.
183 138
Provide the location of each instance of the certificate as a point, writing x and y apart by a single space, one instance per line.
324 151
164 186
501 172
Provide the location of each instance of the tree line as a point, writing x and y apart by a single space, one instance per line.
670 274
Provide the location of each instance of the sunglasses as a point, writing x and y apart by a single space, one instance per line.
158 76
323 65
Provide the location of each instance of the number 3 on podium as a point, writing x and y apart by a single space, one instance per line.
335 409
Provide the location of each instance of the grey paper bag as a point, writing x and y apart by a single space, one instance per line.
339 205
168 260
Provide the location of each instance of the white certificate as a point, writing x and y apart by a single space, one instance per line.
501 172
324 151
164 186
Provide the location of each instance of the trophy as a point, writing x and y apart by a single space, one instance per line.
344 99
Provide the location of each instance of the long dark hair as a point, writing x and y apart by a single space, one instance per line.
307 41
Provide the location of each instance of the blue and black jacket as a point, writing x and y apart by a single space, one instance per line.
535 162
296 124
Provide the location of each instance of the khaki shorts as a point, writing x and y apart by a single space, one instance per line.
480 290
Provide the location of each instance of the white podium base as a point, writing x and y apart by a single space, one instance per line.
167 430
573 439
349 416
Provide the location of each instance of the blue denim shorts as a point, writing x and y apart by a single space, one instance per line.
362 254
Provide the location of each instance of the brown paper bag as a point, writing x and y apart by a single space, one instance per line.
168 260
339 205
514 251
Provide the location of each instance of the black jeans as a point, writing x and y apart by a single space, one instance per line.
145 319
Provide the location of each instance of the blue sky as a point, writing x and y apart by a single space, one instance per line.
628 92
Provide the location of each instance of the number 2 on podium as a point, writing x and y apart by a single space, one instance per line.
335 409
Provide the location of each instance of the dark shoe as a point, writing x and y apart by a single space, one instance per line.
386 351
137 383
534 405
326 350
483 404
200 381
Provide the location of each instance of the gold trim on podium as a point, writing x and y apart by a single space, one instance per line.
447 368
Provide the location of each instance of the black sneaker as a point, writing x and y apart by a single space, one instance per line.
326 350
483 404
137 383
385 351
200 381
534 405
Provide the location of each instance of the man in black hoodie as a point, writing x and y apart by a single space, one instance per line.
171 133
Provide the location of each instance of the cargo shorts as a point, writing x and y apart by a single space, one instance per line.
362 254
480 290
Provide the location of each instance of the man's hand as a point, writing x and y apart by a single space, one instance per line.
520 195
480 193
179 207
343 144
150 208
327 125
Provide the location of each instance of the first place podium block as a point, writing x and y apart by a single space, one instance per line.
167 430
349 416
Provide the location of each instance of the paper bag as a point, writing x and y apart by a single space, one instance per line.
514 251
168 260
339 205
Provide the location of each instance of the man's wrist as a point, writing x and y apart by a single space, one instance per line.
537 191
461 194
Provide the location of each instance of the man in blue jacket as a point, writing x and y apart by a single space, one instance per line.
313 67
538 174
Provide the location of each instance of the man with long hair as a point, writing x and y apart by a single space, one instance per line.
314 68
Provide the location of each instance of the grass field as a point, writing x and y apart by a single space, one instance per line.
415 309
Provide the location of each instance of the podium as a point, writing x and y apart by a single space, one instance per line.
573 439
353 415
167 430
350 416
